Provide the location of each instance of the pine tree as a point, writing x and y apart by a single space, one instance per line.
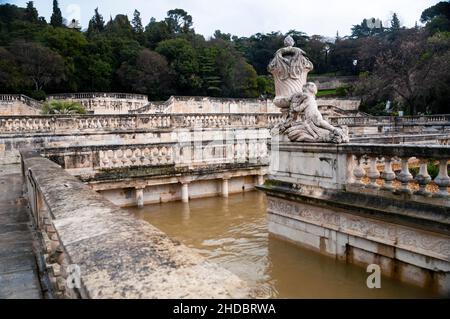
56 19
395 22
137 22
31 14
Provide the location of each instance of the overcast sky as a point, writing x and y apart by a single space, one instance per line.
247 17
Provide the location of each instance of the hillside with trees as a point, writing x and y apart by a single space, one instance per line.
408 66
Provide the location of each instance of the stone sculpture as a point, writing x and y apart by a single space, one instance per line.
301 119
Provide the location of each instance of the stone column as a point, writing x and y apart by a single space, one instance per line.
185 192
140 197
225 187
260 180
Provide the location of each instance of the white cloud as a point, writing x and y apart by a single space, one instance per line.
246 17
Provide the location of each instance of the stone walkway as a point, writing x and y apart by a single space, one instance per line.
18 269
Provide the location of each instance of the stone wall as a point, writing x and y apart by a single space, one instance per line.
16 104
115 254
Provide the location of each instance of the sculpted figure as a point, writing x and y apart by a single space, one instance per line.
301 118
290 69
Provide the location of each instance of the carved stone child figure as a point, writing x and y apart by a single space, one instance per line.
306 121
307 103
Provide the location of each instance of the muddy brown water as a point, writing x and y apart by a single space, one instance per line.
232 232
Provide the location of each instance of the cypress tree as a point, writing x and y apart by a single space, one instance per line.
56 20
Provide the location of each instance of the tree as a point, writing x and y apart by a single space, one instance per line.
10 77
56 19
137 22
440 9
40 65
183 60
179 21
395 22
156 32
224 36
149 74
96 24
31 14
120 27
209 73
437 17
411 70
368 27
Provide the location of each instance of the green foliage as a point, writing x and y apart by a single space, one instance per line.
432 167
37 95
56 19
63 108
168 58
183 61
31 14
96 24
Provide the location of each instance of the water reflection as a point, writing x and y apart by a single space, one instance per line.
233 233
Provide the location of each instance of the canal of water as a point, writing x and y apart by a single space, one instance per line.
232 232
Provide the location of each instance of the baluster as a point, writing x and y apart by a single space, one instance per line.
373 173
358 171
423 178
405 176
442 180
388 174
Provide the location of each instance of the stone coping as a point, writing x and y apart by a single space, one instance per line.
119 255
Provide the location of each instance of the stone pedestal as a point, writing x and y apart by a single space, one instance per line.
317 165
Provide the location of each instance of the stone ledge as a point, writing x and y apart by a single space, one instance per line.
119 255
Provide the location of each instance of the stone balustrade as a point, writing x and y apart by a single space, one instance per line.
94 95
74 124
13 98
93 249
196 153
392 120
371 167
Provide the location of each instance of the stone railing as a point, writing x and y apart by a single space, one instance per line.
372 167
92 158
93 249
390 120
12 98
96 95
93 123
397 172
73 124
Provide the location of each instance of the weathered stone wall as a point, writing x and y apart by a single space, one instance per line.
16 104
118 255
